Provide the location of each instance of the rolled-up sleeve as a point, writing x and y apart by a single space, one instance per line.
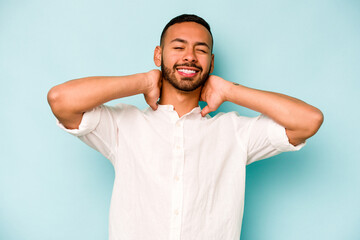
99 129
88 123
267 138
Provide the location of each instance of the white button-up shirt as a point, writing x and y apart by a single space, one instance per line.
178 178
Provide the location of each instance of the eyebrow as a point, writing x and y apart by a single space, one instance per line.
196 43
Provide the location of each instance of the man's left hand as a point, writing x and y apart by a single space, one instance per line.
213 93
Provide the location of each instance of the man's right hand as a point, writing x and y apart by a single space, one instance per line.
154 82
71 99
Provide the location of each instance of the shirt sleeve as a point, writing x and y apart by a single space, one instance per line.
266 138
99 129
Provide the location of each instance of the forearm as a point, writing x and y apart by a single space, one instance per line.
71 99
293 114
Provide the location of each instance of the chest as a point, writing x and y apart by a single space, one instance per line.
195 150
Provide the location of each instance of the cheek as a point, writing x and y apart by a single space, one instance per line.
170 59
206 63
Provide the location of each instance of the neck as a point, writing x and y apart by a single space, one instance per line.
182 101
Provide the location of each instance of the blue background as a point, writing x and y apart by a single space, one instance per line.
53 186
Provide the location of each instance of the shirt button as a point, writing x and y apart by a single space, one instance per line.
176 178
176 212
177 146
178 124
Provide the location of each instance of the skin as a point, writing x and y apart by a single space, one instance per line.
184 46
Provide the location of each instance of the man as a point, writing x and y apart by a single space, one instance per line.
180 174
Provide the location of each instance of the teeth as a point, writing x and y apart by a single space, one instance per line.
186 71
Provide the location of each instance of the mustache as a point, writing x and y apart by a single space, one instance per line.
188 65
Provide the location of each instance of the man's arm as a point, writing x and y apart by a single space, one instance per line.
70 100
300 119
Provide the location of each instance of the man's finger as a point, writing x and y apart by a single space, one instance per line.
154 106
205 111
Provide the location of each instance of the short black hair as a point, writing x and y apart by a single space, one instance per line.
187 18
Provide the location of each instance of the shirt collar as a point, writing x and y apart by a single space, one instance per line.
170 108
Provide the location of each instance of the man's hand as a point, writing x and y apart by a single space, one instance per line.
71 99
154 83
213 93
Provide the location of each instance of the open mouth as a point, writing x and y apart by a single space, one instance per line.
186 72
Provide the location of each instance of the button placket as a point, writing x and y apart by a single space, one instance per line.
177 186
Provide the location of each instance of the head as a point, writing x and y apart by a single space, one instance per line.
185 52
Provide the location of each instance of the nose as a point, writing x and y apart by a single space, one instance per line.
189 56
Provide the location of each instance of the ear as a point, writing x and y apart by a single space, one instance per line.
212 63
157 56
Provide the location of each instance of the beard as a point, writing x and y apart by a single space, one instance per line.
186 84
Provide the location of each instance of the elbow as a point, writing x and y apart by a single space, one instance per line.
315 121
53 97
318 120
56 100
308 126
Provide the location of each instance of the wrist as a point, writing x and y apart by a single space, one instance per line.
145 82
150 80
227 90
230 87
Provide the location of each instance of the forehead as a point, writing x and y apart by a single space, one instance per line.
190 31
